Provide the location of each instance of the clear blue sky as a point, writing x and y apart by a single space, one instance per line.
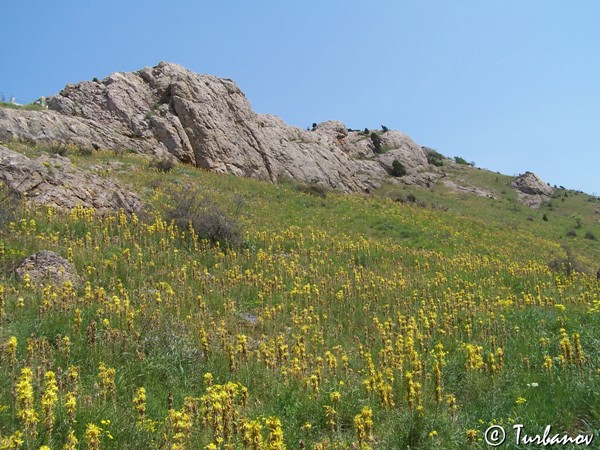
513 85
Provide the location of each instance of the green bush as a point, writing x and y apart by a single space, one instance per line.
398 169
462 161
434 158
376 140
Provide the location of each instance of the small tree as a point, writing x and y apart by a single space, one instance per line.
384 128
434 158
376 140
398 169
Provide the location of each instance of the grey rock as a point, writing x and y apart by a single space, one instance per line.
52 180
530 183
531 190
249 318
469 189
52 128
47 267
207 121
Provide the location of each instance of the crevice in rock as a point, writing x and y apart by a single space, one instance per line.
264 157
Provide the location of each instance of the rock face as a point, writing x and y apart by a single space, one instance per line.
469 189
47 267
52 128
532 191
208 122
54 181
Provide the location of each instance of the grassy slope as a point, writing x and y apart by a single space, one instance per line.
352 293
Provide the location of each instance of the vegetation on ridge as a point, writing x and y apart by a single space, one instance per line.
333 321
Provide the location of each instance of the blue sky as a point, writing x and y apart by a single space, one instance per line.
512 85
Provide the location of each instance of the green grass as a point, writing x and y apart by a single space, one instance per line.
333 279
30 107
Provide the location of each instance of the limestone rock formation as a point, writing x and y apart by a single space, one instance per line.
52 128
47 267
469 189
52 180
207 121
532 191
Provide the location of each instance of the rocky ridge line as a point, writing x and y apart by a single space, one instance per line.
171 112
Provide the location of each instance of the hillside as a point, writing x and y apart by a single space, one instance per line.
297 317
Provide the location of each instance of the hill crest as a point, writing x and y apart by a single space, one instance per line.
172 112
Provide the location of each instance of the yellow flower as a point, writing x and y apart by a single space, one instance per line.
92 436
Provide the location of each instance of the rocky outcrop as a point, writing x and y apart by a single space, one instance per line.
52 128
52 180
47 267
207 121
532 191
469 189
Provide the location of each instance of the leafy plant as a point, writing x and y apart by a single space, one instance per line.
398 169
433 157
376 140
463 161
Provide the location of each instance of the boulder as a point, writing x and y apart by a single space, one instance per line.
529 183
47 267
52 180
531 190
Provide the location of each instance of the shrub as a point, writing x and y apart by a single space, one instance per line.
460 160
312 189
163 164
58 148
571 233
398 169
85 151
591 236
205 217
434 158
376 140
384 128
